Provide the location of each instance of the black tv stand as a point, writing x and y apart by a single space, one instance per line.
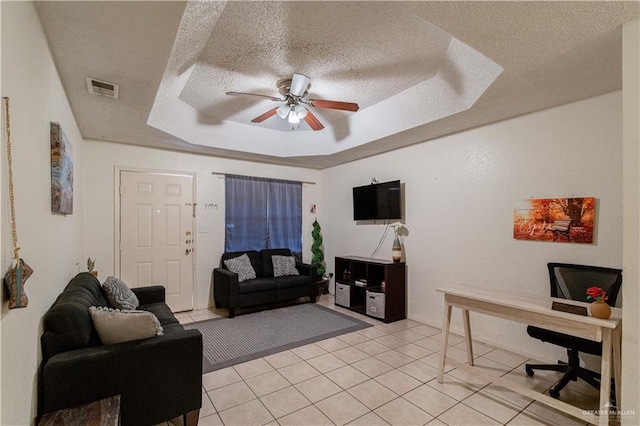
359 287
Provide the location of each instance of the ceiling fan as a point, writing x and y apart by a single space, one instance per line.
295 104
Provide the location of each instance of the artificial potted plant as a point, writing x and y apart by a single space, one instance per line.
317 260
599 308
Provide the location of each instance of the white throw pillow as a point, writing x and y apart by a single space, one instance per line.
241 265
115 326
284 266
119 295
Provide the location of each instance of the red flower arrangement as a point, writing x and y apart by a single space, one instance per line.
596 294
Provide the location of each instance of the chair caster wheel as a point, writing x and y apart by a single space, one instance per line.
529 371
554 393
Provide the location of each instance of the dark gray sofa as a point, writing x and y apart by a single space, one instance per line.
158 379
265 289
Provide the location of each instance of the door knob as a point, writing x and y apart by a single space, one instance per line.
187 251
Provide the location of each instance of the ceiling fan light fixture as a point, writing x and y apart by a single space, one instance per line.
294 104
300 111
282 111
293 117
299 84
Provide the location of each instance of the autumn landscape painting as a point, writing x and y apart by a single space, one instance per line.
555 219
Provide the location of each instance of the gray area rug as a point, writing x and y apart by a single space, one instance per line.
243 338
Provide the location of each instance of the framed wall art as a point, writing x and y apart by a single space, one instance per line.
569 220
61 171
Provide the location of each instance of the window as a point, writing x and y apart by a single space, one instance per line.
262 213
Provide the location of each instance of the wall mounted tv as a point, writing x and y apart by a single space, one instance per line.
377 201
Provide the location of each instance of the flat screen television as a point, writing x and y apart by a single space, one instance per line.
377 201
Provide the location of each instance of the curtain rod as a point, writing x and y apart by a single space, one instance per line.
262 177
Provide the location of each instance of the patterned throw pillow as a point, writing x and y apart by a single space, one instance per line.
115 326
284 266
241 265
119 295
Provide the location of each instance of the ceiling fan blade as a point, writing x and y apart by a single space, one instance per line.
313 121
268 114
344 106
299 84
273 98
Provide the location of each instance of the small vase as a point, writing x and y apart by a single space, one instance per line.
396 251
600 310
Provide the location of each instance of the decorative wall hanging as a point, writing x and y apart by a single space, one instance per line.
61 171
16 277
555 219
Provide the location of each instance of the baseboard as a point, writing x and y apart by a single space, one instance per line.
499 345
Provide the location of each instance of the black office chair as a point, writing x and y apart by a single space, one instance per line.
571 282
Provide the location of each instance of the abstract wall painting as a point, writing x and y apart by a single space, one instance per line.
566 220
61 171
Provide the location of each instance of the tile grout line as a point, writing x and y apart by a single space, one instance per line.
396 332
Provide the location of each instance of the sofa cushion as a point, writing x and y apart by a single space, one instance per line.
293 281
119 294
254 257
67 324
241 265
116 326
267 263
150 294
284 266
255 285
161 311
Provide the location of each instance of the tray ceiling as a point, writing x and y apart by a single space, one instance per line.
418 70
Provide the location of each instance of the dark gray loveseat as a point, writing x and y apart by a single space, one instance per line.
265 289
158 379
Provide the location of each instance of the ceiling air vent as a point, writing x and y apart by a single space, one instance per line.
102 88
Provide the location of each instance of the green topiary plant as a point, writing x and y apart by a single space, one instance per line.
316 248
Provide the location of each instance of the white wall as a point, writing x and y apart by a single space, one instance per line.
460 193
2 217
631 195
101 161
51 243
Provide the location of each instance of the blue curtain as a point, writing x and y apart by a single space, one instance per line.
262 213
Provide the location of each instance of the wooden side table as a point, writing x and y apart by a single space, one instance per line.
105 412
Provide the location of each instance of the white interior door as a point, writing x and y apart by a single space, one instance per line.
156 234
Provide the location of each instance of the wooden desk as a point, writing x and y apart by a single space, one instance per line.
536 310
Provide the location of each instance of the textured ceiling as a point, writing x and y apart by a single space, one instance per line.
348 54
418 70
460 76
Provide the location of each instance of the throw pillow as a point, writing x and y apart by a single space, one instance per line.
119 295
284 266
115 326
241 265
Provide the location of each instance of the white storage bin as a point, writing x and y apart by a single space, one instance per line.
344 295
375 304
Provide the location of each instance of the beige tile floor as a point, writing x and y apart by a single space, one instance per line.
385 374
